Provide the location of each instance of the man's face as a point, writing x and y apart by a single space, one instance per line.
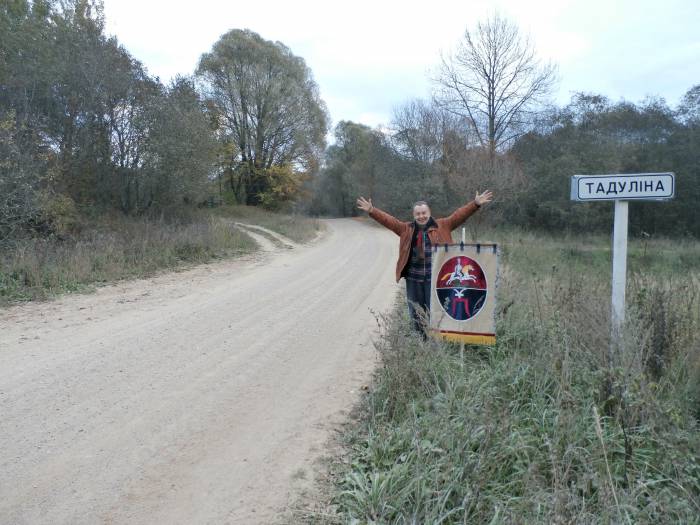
421 214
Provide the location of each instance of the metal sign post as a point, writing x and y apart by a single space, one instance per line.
619 268
621 188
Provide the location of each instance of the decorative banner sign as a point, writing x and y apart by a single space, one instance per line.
463 293
637 186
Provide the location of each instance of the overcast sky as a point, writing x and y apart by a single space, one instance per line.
370 56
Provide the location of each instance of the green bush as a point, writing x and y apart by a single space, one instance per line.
58 213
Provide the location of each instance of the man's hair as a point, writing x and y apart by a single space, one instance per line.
420 203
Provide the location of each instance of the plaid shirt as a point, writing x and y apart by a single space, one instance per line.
418 268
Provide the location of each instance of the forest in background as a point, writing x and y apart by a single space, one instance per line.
86 131
427 156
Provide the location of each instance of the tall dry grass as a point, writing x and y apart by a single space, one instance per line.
113 248
544 427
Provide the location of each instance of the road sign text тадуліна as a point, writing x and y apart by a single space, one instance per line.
638 186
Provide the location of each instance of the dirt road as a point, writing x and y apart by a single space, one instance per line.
202 396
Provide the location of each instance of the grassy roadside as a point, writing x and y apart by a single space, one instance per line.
294 227
539 429
110 248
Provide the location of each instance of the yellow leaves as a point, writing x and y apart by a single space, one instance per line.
283 184
59 212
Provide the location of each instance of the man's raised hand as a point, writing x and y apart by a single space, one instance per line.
483 198
365 204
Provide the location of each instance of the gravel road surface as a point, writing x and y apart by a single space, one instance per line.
200 396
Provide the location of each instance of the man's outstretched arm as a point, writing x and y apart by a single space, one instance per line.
383 218
462 214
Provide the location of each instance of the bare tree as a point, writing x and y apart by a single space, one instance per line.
495 81
419 130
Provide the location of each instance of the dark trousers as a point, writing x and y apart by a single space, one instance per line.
418 296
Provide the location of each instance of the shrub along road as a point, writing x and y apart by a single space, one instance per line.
201 396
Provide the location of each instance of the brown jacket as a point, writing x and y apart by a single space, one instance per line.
440 234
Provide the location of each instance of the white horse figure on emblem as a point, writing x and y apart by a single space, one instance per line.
461 273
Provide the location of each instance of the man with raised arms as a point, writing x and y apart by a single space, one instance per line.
416 239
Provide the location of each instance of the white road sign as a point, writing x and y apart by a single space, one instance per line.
621 188
633 186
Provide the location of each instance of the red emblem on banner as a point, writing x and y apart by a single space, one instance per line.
461 287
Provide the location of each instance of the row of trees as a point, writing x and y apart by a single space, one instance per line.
488 125
594 135
430 154
83 126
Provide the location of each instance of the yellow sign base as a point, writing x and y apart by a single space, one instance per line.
472 339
